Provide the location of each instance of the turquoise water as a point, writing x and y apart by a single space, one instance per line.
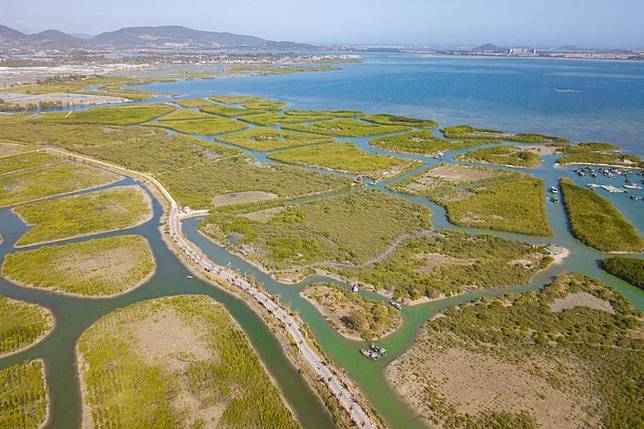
581 100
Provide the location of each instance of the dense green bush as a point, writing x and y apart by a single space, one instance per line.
629 269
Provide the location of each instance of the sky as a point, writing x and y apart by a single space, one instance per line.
537 23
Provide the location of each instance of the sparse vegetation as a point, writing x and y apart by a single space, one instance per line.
21 325
343 157
524 365
23 396
628 269
121 115
596 222
484 198
101 267
84 214
28 160
352 315
176 361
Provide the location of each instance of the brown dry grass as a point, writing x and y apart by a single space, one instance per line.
242 197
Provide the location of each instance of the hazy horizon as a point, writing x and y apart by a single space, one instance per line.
544 23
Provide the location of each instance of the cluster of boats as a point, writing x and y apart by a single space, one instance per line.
611 173
374 352
555 194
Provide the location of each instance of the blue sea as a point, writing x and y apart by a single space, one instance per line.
579 99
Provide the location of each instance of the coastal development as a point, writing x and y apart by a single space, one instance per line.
183 255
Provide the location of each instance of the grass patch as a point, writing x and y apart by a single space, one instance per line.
228 111
343 157
193 103
28 186
484 198
547 369
24 396
504 155
331 113
421 142
249 102
101 267
386 119
27 161
346 127
589 147
22 324
351 228
265 139
179 115
175 362
469 132
451 262
84 214
596 222
207 126
352 315
122 115
628 269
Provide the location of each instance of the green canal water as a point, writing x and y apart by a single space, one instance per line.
74 315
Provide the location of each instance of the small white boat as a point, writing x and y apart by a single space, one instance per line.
354 288
190 277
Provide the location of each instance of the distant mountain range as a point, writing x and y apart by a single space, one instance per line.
139 37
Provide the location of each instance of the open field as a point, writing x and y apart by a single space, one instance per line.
268 119
28 186
266 139
421 142
175 362
449 263
95 268
484 198
121 115
55 99
199 185
352 315
28 160
84 214
344 157
596 222
242 197
386 119
346 127
206 126
350 228
504 155
23 396
627 269
511 362
8 149
22 324
469 132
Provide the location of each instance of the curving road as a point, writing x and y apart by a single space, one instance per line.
175 215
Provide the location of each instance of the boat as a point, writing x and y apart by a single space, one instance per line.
354 288
554 190
190 277
632 186
396 304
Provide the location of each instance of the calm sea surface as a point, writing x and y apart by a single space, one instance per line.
581 100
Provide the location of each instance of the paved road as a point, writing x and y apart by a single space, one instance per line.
175 216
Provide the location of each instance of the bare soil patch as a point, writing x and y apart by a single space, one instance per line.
539 149
474 383
242 197
580 299
64 98
10 149
435 260
265 215
460 173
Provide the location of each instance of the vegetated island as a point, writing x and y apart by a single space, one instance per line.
567 356
484 198
102 267
597 153
22 325
24 397
84 214
512 156
422 142
352 315
447 263
175 361
470 132
346 127
596 222
628 269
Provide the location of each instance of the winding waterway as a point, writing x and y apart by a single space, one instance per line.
74 315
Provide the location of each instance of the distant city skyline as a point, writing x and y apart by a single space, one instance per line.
535 23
